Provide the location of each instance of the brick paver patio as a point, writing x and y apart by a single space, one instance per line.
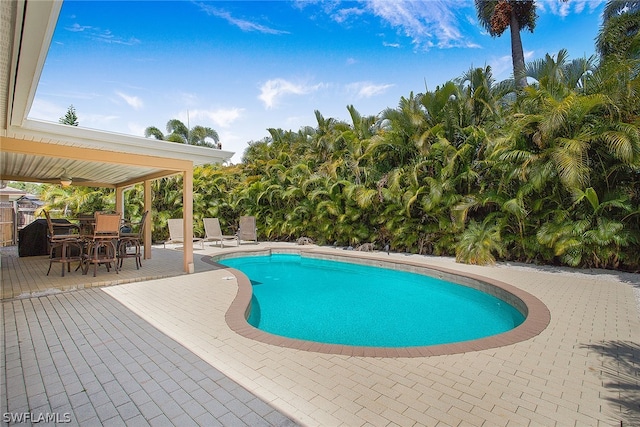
160 352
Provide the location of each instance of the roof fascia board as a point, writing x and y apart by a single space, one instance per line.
21 146
150 177
111 141
17 12
31 43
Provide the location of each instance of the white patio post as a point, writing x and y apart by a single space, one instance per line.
187 215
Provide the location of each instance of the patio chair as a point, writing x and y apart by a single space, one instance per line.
213 232
85 221
65 245
130 242
176 234
247 229
102 243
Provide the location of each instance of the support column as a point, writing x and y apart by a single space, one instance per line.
147 226
120 201
187 215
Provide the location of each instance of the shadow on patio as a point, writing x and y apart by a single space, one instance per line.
620 375
27 276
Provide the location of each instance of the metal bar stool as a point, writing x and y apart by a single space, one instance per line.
101 244
132 240
65 246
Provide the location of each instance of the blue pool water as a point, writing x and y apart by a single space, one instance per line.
342 303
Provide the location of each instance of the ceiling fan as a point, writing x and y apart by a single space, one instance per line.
65 179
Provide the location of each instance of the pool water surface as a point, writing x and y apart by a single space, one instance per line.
343 303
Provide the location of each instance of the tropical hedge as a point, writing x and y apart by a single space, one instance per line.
472 169
476 169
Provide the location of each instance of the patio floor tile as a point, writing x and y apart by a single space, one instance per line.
154 346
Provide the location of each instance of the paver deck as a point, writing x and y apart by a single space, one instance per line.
105 345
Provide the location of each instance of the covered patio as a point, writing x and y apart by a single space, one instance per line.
37 151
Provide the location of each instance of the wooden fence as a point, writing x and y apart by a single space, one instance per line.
7 224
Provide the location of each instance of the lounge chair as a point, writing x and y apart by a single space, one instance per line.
247 229
213 232
176 234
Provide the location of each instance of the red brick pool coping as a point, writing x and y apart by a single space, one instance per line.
537 315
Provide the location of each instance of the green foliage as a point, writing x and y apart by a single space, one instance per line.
498 15
549 174
479 242
619 36
180 133
70 118
71 201
29 187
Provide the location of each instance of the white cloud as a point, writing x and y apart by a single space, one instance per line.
273 90
97 121
427 23
47 110
502 67
105 36
564 8
52 112
561 9
368 89
351 61
296 121
221 117
133 101
387 44
186 98
77 28
243 24
135 129
344 14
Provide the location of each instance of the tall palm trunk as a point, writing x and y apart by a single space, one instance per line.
517 55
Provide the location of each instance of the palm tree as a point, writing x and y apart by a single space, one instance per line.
180 133
481 96
479 242
198 136
498 15
619 36
74 200
557 75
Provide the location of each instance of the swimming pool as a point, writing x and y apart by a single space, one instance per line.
335 302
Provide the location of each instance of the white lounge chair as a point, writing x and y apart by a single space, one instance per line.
176 234
247 229
213 232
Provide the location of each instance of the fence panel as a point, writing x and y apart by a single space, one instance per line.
7 224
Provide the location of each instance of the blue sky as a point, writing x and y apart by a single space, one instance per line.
241 67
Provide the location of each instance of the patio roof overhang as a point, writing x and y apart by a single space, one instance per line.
44 152
37 151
